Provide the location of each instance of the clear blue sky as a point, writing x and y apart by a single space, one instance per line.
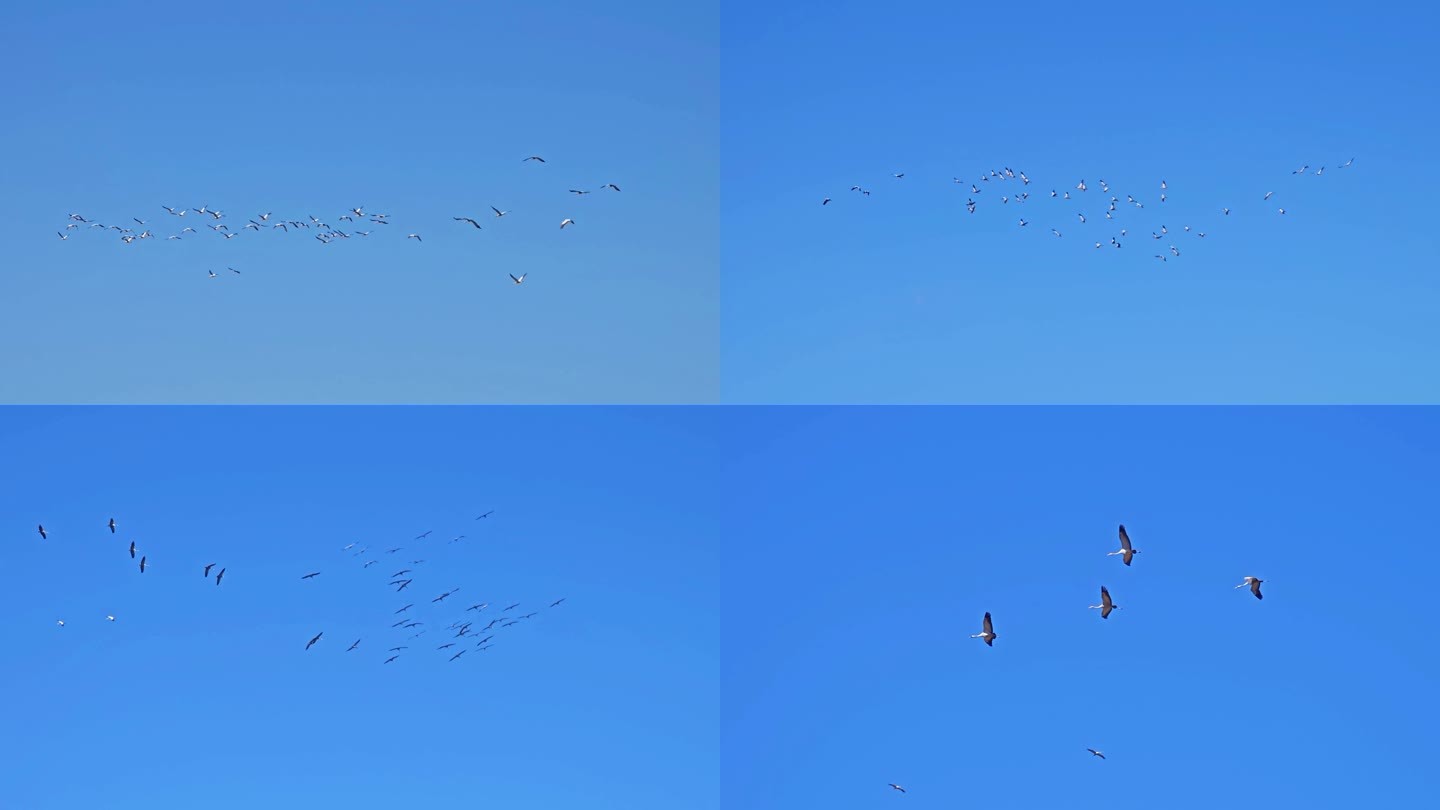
904 297
204 696
874 540
420 110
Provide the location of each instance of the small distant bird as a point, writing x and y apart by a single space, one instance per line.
353 646
1096 753
566 221
1282 211
142 565
466 219
825 201
423 536
578 191
219 576
987 633
457 655
898 175
1226 210
112 525
1269 194
407 607
207 570
557 601
44 536
311 575
487 514
109 618
315 639
614 187
391 658
517 604
233 270
1254 583
414 236
1347 163
897 787
536 158
519 280
132 547
1106 605
1126 551
60 622
212 273
498 212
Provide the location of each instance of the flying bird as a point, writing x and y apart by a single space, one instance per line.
112 525
987 634
44 536
207 570
897 787
219 576
614 187
1096 753
1126 551
566 221
487 514
519 280
1106 604
315 639
498 212
353 646
466 219
414 236
557 601
142 565
536 158
311 575
132 547
1254 583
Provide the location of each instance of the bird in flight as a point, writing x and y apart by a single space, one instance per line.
614 187
109 618
414 236
311 575
1254 583
207 570
1096 753
897 787
578 191
987 634
219 576
480 606
1126 551
132 546
423 536
535 158
557 601
391 658
517 604
498 212
1106 605
142 565
487 514
457 655
407 607
44 536
466 219
315 639
519 280
566 221
353 646
112 525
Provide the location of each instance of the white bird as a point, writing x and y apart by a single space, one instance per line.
62 236
1082 217
1096 753
109 618
566 221
1106 604
1163 186
1347 163
1023 223
414 236
1282 210
1268 194
1127 552
988 633
60 622
1254 583
212 273
1081 185
520 279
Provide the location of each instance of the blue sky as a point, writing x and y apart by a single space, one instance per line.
875 539
423 111
904 297
200 695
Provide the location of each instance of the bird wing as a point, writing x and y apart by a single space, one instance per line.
1104 596
1124 538
1255 588
989 626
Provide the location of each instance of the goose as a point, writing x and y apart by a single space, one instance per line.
1106 604
988 633
1126 551
1254 583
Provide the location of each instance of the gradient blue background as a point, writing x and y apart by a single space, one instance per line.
420 110
874 541
198 696
903 297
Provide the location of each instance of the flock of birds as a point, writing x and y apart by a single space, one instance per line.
1126 553
211 219
470 628
1084 207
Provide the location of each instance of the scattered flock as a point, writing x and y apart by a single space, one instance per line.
448 627
212 223
1102 216
1126 552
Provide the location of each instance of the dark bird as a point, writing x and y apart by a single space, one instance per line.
578 191
423 536
535 158
480 606
445 646
1095 753
407 607
1106 605
897 787
457 655
43 536
132 548
112 525
397 649
487 514
467 219
142 565
207 570
1126 551
988 633
557 601
611 186
1254 583
517 604
219 576
368 564
311 576
353 646
391 658
315 639
400 573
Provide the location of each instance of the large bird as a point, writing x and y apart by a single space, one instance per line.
142 565
1096 753
112 525
988 633
44 536
312 641
1106 605
897 787
1254 583
219 576
1127 552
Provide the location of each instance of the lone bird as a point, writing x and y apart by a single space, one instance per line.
112 525
566 221
312 641
520 279
1254 583
1096 753
1127 552
311 575
142 564
535 158
132 547
43 535
1106 605
897 787
988 633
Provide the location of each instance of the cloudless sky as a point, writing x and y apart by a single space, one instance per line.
423 111
904 297
198 695
875 539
